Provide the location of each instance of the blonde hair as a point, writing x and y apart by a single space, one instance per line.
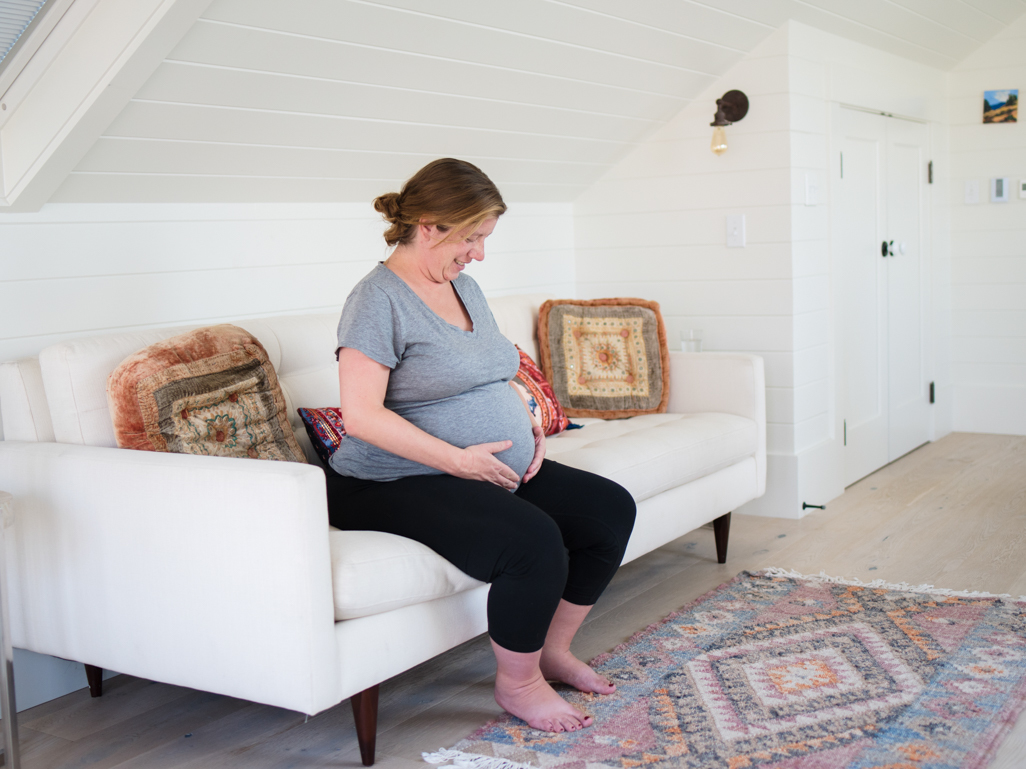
448 193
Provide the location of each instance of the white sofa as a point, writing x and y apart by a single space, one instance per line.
222 574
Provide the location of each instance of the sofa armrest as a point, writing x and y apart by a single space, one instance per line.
207 572
728 383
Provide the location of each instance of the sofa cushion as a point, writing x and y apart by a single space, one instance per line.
211 391
373 572
25 414
605 358
651 453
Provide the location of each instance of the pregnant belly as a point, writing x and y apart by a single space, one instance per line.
483 415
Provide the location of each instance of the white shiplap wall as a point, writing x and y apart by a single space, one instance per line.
72 270
826 72
655 226
988 290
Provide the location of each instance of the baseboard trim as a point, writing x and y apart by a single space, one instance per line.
990 409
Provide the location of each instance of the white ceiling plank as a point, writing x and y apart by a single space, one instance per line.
958 15
563 23
111 53
772 13
181 83
260 50
110 155
1005 11
389 29
170 121
115 188
688 19
902 23
827 21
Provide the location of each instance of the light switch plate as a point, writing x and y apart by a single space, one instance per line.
972 192
735 230
811 189
999 192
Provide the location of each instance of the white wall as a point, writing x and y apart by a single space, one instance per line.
988 260
826 72
95 269
655 226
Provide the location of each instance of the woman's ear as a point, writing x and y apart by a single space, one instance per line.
428 232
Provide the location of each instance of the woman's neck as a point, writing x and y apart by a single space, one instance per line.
407 264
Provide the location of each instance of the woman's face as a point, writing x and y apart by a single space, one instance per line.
448 258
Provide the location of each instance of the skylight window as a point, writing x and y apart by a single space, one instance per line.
15 17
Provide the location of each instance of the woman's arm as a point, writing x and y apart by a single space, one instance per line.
362 385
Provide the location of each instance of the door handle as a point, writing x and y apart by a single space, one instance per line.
887 248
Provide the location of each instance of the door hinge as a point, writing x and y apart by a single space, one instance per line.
845 432
933 393
929 172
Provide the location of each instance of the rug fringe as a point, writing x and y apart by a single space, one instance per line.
879 584
472 761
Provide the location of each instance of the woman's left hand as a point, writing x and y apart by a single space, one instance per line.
539 455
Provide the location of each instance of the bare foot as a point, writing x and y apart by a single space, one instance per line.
567 668
538 704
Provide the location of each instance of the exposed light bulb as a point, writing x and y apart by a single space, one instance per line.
719 140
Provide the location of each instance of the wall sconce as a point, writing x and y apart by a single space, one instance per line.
730 108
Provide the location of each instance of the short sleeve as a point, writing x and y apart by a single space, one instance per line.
369 324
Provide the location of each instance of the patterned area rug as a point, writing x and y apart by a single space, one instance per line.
778 671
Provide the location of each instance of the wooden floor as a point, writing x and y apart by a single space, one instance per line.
952 514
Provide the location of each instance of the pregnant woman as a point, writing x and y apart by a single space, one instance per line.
441 449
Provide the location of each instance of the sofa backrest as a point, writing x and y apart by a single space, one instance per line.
300 347
23 408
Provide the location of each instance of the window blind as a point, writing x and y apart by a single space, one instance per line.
15 16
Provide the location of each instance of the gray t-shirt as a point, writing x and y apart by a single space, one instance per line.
451 383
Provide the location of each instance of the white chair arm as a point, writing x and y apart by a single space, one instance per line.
206 572
727 383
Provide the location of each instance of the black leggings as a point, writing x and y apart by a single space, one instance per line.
560 535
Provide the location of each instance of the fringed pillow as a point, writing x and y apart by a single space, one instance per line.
537 394
211 391
605 358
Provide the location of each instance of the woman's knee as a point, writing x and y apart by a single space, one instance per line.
536 550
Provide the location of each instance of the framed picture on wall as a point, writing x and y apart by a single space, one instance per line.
1001 106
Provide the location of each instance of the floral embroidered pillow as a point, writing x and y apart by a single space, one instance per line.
605 358
211 391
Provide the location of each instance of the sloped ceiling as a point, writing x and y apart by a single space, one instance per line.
339 100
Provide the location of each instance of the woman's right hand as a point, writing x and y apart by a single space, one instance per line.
478 463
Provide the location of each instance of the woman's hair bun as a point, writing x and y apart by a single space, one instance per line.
388 206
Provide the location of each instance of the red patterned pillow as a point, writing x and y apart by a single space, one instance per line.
537 393
325 428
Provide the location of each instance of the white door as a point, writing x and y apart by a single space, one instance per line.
908 396
879 209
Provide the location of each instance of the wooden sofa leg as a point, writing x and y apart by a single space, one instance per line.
365 711
95 677
721 528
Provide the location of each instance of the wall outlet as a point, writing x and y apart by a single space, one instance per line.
972 192
735 231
